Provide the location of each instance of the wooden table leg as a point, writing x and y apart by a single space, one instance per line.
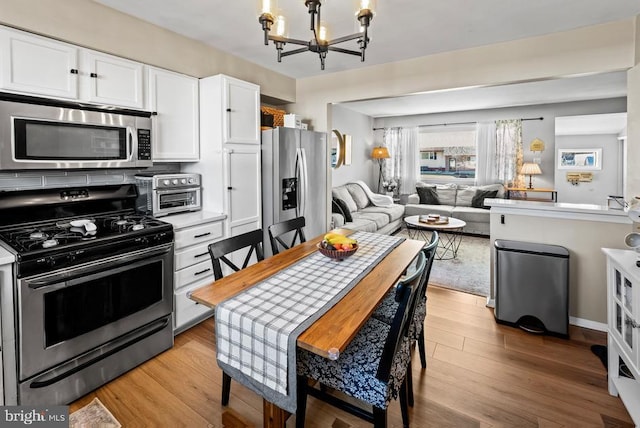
273 416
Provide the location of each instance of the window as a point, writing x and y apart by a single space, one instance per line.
447 153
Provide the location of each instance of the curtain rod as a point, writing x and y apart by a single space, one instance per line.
460 123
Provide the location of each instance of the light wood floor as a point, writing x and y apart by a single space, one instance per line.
479 374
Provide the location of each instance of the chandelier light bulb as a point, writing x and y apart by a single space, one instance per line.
267 7
323 32
281 26
367 6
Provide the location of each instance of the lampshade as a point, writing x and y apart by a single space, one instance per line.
380 153
530 168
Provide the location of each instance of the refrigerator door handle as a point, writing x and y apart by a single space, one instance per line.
305 182
298 174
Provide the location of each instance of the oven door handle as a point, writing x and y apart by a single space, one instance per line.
68 278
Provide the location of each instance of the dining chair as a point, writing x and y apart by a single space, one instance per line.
372 368
276 232
386 309
219 251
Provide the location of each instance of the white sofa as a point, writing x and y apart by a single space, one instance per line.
456 201
365 216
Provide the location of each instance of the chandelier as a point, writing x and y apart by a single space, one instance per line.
320 42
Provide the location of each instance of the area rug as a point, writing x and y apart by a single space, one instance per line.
469 271
93 415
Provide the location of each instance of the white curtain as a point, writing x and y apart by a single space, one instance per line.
509 152
404 164
486 172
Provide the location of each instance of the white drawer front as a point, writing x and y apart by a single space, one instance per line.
198 234
199 272
187 310
191 255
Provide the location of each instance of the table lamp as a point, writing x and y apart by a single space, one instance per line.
380 153
530 169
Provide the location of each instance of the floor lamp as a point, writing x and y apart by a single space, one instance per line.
380 153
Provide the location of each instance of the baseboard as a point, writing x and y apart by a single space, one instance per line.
580 322
592 325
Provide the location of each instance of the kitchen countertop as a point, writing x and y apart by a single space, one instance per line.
558 210
180 221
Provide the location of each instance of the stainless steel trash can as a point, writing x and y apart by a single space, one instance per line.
532 286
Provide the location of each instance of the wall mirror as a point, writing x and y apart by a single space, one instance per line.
337 149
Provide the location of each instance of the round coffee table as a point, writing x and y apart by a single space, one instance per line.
450 235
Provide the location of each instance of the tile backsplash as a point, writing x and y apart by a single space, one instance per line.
36 179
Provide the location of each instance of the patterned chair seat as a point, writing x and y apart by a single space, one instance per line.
354 372
387 308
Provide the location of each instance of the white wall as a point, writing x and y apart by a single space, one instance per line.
92 25
605 181
360 127
531 129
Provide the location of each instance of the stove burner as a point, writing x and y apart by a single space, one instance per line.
137 227
37 235
50 243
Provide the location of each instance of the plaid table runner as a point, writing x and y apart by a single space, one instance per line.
257 330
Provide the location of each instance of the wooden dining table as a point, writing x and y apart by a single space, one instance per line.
335 329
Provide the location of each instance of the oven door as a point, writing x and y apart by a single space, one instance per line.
176 200
66 313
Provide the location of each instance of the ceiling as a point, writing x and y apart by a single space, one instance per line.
402 29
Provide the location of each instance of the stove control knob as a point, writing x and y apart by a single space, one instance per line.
191 180
183 181
166 182
51 261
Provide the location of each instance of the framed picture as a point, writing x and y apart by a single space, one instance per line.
582 159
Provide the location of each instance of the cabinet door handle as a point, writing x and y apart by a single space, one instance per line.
154 113
202 271
200 255
228 110
202 235
94 75
73 71
229 188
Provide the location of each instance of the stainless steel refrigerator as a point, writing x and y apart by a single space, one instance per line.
294 179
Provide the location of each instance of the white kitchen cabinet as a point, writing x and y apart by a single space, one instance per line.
241 102
194 232
36 65
243 196
623 303
107 79
230 152
173 97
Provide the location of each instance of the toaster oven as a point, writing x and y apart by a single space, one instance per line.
162 194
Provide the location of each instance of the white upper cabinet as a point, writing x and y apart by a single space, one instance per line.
38 65
110 80
173 97
241 101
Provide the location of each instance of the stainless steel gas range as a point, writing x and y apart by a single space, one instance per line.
92 291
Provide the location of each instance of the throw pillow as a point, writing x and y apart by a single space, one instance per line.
345 210
478 199
335 207
341 192
428 195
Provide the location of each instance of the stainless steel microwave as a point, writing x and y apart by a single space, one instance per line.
39 133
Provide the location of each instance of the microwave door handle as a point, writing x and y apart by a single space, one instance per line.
131 138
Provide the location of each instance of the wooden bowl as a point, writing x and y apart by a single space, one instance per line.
335 254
